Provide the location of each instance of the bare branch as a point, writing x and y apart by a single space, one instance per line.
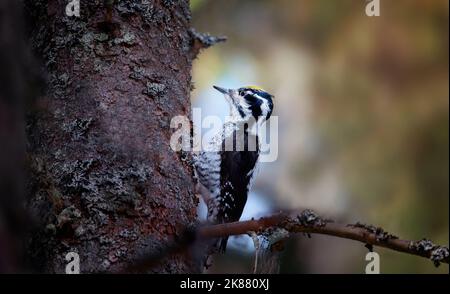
267 230
310 223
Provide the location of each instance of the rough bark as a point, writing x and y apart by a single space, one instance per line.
104 180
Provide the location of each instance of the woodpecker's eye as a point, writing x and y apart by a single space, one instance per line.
244 91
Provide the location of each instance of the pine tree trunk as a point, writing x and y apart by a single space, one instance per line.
104 181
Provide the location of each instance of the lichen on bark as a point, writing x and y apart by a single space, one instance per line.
105 182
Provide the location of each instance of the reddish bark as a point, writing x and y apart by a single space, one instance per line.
105 182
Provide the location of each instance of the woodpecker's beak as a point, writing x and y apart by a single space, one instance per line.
222 90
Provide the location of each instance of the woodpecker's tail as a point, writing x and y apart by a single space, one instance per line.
218 246
222 244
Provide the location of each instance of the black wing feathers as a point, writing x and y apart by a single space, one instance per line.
235 174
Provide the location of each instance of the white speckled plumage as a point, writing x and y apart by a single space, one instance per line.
229 175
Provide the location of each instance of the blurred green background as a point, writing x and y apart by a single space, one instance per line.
363 118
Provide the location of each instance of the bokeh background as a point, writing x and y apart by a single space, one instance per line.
363 119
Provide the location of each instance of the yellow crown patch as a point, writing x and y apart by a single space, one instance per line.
256 88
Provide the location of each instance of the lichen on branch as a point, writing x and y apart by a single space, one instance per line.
309 222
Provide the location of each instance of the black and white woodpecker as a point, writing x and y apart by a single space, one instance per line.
227 166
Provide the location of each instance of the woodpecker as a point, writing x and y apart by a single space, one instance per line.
227 166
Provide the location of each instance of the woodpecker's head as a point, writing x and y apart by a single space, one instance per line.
248 103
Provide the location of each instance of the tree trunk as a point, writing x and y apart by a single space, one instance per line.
104 181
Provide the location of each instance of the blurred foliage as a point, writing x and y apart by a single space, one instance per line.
375 109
